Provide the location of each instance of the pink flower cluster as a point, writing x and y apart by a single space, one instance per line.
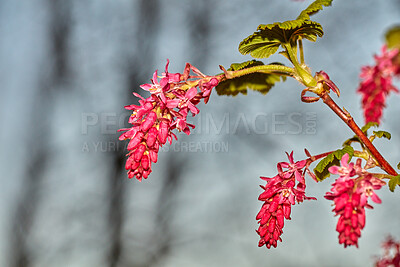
377 83
391 256
167 108
280 193
350 193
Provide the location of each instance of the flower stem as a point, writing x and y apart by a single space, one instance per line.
346 117
305 76
259 69
311 159
301 51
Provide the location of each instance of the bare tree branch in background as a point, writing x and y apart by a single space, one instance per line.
116 208
146 33
27 205
165 209
199 23
60 27
38 148
199 30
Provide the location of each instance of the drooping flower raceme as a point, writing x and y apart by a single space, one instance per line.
377 83
167 108
350 193
280 193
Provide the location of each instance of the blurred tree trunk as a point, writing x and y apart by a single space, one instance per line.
60 25
165 209
52 75
199 23
146 33
199 26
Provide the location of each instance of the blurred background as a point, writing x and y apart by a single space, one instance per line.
67 68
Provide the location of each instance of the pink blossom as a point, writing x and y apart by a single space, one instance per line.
351 213
391 254
377 83
367 186
350 193
167 79
280 193
293 167
165 110
345 170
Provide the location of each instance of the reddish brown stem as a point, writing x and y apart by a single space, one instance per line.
354 127
319 156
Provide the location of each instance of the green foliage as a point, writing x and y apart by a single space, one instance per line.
366 127
398 166
313 8
261 82
321 170
381 134
393 37
267 39
393 182
245 65
351 140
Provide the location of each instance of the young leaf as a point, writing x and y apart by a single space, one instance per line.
365 129
313 8
393 182
369 125
245 65
381 134
321 170
267 39
351 140
261 82
340 152
393 37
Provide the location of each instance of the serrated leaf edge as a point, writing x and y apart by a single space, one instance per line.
338 154
393 182
381 134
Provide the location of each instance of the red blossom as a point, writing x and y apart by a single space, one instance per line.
391 254
350 193
280 193
376 83
167 108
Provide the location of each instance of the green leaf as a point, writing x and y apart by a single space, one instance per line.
369 125
393 182
340 152
268 37
246 64
393 37
398 166
313 8
266 41
381 134
261 82
321 170
351 140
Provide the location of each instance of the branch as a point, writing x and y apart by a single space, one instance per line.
345 116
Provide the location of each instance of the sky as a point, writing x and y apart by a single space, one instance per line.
69 67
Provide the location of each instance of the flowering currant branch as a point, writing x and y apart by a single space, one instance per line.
176 95
346 117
